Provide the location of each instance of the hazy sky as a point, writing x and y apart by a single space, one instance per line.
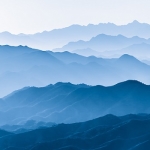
30 16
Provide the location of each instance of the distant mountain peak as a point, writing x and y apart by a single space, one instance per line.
63 83
130 83
109 36
6 33
135 22
127 57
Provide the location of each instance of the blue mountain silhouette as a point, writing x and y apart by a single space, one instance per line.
108 132
67 103
60 37
23 66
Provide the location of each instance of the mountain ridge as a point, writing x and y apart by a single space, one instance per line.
68 103
22 66
136 50
103 42
106 132
74 33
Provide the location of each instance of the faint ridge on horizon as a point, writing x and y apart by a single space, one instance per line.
90 24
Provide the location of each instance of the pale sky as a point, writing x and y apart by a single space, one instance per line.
31 16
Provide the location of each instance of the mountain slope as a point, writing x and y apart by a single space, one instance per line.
108 132
146 62
65 102
20 66
86 52
141 51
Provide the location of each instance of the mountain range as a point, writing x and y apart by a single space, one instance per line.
141 51
102 43
23 66
110 46
56 38
104 133
76 88
68 103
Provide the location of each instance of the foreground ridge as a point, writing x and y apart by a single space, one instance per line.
108 132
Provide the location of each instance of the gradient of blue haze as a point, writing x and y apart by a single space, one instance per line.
32 16
23 66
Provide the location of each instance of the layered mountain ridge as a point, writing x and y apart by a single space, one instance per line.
68 103
23 66
60 37
108 132
77 88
